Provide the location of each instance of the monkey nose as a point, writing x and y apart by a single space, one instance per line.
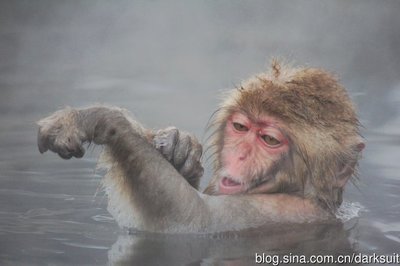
244 152
242 157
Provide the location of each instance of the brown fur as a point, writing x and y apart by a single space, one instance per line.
147 186
320 120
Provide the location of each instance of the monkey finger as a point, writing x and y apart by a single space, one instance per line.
192 163
67 146
64 154
182 150
198 171
74 147
186 147
165 141
194 179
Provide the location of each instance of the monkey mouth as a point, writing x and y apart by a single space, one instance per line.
229 186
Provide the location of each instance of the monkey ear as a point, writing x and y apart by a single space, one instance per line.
348 170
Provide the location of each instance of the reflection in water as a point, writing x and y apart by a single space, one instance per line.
238 248
231 248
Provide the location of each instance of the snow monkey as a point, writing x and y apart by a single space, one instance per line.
285 143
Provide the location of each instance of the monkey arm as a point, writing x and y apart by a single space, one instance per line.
146 191
180 148
151 188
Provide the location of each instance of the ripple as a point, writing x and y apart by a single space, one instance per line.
394 238
79 245
349 210
102 218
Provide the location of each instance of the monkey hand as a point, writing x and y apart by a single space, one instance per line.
59 133
182 150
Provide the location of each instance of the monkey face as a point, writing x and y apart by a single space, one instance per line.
252 152
290 130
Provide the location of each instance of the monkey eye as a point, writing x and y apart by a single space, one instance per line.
240 127
271 141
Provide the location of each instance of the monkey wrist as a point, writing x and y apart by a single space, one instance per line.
102 124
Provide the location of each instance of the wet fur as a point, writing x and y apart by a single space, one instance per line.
146 192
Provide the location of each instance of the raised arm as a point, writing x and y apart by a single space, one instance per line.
180 148
139 174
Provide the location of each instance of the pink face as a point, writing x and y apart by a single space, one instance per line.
251 147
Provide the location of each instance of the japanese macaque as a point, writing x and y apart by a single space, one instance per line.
285 143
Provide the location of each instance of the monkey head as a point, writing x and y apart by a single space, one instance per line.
290 130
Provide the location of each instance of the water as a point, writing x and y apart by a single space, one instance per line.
167 63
